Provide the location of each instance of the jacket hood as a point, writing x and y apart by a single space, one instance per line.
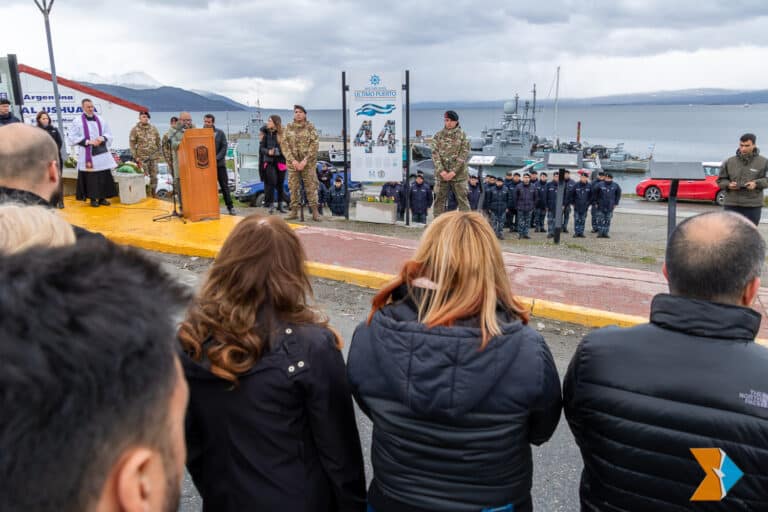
703 318
748 158
439 371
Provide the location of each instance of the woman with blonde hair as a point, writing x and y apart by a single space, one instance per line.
456 384
23 227
270 422
273 162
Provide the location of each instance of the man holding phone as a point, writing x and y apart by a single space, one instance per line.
743 177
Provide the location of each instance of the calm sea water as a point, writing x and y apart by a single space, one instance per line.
677 133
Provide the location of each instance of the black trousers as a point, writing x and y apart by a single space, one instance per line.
751 212
221 174
274 179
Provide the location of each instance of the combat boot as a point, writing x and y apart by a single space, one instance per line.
293 215
315 214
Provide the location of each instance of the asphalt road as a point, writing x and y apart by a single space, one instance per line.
557 464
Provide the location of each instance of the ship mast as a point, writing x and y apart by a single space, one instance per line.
557 97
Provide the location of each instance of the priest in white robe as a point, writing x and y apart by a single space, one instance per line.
92 136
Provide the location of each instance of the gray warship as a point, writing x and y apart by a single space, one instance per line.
511 143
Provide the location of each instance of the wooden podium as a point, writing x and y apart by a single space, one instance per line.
197 174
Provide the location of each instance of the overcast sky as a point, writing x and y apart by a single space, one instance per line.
290 51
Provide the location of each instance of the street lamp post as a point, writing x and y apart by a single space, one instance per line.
45 7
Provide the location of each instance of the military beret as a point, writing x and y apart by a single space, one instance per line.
452 115
299 107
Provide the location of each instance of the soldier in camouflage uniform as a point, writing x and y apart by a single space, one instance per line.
165 144
300 145
450 151
175 135
145 148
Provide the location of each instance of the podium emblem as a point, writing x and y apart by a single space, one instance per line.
201 157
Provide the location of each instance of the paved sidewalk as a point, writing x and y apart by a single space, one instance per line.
583 293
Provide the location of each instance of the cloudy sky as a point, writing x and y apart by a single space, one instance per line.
290 51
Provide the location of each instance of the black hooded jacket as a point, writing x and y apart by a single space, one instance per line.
285 438
452 424
638 399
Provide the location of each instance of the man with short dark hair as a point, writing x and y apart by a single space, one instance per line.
220 140
743 177
639 399
175 136
91 390
29 168
450 152
299 146
608 196
6 116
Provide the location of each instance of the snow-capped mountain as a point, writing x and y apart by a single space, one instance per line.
134 80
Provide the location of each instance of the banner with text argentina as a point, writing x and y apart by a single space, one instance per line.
375 126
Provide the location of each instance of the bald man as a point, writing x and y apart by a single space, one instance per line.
639 399
29 168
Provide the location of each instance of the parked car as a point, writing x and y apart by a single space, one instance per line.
702 190
253 193
164 181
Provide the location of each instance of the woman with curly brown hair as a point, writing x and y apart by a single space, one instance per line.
270 423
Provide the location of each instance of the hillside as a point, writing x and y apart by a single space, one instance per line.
170 99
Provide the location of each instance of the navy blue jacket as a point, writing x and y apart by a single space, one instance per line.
421 198
551 194
568 193
525 197
395 191
595 184
473 196
608 196
541 199
497 199
452 424
336 198
581 197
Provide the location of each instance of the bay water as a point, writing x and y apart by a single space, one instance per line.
672 132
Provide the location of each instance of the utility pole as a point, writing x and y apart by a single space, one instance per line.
45 7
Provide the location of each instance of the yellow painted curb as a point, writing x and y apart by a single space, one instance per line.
366 278
583 316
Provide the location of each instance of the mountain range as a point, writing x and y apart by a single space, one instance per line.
141 88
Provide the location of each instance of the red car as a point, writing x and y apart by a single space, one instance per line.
707 190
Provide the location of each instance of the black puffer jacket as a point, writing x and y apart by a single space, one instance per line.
452 425
639 399
285 438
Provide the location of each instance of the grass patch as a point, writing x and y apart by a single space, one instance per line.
575 247
647 259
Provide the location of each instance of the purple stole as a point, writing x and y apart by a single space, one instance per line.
87 134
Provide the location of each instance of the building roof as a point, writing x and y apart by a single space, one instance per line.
90 91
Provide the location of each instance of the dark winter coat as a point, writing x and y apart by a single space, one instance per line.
323 192
743 169
638 399
608 196
421 198
496 199
568 192
284 438
525 197
452 424
337 200
269 142
473 196
8 119
541 198
595 186
396 191
550 194
220 141
15 195
581 197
